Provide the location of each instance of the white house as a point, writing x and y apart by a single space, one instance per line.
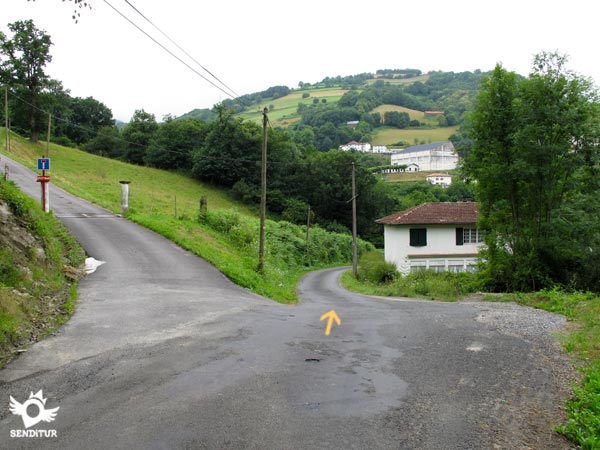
429 157
380 149
439 179
354 145
433 236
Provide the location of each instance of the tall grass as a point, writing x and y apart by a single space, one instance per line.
374 278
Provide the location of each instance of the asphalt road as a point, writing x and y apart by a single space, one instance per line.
163 352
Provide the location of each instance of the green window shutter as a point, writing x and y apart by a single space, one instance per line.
418 237
460 236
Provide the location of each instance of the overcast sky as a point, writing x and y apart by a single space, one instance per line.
252 45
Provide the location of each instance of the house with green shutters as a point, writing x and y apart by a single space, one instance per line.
433 236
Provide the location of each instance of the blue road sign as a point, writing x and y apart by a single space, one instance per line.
43 163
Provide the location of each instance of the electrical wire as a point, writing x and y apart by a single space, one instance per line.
180 48
169 51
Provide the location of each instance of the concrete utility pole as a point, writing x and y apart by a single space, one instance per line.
354 243
263 194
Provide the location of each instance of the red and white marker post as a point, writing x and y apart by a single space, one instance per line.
43 179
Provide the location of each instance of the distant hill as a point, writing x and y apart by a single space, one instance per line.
374 100
204 114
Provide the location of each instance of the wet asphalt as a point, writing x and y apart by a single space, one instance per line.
164 352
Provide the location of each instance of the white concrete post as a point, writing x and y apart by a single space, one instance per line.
124 196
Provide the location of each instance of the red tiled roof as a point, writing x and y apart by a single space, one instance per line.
434 213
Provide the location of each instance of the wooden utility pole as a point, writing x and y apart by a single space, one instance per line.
263 195
354 243
48 136
6 118
307 224
307 234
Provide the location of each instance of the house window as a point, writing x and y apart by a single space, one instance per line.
418 237
468 236
472 236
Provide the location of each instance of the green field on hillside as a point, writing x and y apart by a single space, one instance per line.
412 113
413 136
422 78
284 111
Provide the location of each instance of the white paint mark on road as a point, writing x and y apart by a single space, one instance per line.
475 347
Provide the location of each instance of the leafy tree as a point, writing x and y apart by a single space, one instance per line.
173 144
534 152
325 183
137 135
107 142
396 119
27 53
231 151
85 118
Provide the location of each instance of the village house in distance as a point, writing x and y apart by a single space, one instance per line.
433 236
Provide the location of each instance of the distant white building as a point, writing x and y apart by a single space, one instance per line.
440 179
428 157
358 146
380 149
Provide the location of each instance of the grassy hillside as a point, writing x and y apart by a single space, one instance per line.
422 78
284 109
97 179
390 136
283 113
168 203
412 113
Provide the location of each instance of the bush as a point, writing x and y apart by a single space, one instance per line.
374 268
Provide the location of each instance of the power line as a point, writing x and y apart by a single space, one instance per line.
179 47
169 51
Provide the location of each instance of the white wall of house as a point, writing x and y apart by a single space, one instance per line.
440 179
441 252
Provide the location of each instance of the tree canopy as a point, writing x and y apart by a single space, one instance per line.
534 156
24 57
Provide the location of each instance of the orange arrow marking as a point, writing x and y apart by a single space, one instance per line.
331 315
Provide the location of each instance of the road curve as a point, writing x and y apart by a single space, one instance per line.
163 352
